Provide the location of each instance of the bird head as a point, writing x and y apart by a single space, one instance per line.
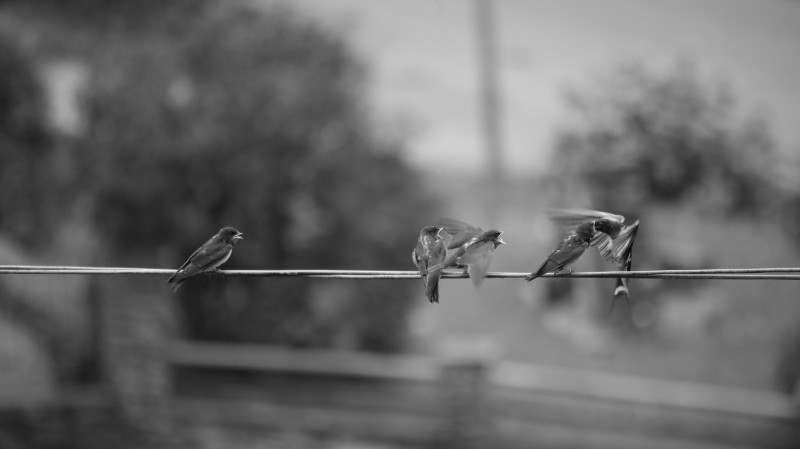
494 236
230 235
610 227
430 230
586 230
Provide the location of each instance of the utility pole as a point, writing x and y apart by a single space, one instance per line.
490 98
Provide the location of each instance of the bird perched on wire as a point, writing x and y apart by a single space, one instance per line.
472 248
614 240
208 257
429 252
568 251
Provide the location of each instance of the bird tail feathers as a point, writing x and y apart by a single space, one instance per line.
620 292
175 285
432 287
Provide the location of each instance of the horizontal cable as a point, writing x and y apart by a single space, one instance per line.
715 273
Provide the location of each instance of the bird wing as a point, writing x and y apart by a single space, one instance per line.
426 254
432 286
569 219
438 253
452 260
179 272
477 259
460 232
622 247
578 216
206 258
562 257
604 244
437 256
623 256
609 248
419 264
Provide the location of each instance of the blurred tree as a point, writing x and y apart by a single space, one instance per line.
646 137
251 118
645 140
25 151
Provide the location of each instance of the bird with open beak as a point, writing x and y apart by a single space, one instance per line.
208 257
472 248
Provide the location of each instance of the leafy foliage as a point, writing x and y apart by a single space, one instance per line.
648 137
647 141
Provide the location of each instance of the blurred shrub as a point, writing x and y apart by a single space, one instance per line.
28 205
672 149
645 137
252 118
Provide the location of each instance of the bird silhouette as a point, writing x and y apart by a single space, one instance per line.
208 257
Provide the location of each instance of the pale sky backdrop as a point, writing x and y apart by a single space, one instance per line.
422 58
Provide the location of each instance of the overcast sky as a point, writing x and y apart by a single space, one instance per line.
423 62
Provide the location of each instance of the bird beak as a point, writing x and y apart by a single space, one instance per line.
500 240
238 237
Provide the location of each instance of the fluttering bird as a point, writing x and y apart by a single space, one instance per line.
429 252
614 240
472 248
208 257
568 251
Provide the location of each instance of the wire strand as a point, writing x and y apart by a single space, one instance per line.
714 273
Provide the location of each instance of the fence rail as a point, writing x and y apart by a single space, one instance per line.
410 399
410 368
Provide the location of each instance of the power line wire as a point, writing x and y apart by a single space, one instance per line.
714 273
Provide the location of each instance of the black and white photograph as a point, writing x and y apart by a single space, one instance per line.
399 224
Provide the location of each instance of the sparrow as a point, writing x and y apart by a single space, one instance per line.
568 251
208 257
472 248
429 251
614 240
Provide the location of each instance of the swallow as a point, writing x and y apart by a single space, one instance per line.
459 232
614 240
208 257
568 251
429 251
472 248
621 253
